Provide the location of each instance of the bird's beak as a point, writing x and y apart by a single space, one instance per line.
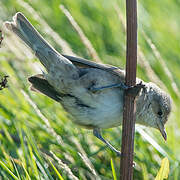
162 130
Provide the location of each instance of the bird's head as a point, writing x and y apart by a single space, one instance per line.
155 110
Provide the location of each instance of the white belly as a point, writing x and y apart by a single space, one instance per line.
106 110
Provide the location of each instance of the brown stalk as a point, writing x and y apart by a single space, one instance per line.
129 114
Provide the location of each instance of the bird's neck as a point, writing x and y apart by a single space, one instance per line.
142 105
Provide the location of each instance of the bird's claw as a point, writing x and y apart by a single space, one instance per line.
134 90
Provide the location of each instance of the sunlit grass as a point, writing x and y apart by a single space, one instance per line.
37 140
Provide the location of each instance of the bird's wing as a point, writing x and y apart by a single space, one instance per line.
84 63
40 84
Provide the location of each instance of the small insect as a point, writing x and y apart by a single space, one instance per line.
1 37
3 83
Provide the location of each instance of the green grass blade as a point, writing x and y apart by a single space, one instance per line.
113 170
58 174
8 170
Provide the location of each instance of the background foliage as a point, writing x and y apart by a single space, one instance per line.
37 140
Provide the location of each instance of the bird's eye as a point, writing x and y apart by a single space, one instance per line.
159 113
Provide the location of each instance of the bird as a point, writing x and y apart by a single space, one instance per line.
93 93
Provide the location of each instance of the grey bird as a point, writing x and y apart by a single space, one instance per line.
91 92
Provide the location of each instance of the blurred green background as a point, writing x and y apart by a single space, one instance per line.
37 140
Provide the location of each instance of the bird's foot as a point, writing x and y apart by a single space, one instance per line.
134 90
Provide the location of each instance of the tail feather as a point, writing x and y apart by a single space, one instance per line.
23 28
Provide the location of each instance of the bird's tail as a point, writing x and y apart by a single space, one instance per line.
43 50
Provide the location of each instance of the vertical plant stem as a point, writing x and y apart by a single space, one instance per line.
129 114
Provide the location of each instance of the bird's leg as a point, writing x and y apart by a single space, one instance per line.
133 90
120 85
97 133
